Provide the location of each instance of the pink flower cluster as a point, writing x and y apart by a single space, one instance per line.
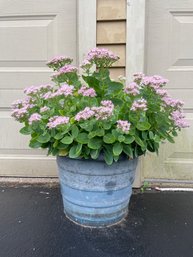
86 91
102 112
37 89
123 125
44 109
34 117
64 90
179 120
59 59
138 76
85 114
175 103
161 92
86 65
101 57
132 89
140 104
65 70
154 81
20 108
57 120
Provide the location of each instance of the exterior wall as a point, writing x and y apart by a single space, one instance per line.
111 31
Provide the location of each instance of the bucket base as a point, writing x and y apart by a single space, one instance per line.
96 223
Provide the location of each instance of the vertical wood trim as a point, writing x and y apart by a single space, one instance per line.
135 53
86 27
135 37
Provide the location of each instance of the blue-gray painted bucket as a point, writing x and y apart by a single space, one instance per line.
95 194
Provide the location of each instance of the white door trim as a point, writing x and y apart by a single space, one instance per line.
86 27
135 53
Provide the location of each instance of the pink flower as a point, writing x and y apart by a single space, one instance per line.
65 90
48 95
19 113
86 65
123 125
107 103
44 109
85 114
104 111
101 57
132 89
179 120
34 117
140 104
86 91
20 108
57 120
161 92
59 59
171 102
33 90
154 81
138 76
65 70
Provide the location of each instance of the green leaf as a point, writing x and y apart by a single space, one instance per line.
92 134
174 133
100 132
43 138
95 143
26 131
129 139
92 82
151 135
143 125
128 150
75 131
55 143
108 156
117 149
88 126
114 87
121 138
58 136
82 138
170 139
144 135
94 154
34 144
75 151
139 141
62 146
106 125
134 117
109 138
117 101
116 158
63 152
67 140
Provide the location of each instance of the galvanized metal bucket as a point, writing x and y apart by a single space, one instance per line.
95 194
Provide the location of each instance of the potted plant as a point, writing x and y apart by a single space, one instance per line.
97 128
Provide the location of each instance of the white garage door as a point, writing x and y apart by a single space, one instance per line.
169 52
31 32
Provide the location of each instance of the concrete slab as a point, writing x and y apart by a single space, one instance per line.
32 224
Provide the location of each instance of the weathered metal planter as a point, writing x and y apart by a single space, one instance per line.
95 194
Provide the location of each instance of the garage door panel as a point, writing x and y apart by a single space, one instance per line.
170 39
30 35
169 52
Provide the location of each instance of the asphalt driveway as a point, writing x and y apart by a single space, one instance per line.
32 224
